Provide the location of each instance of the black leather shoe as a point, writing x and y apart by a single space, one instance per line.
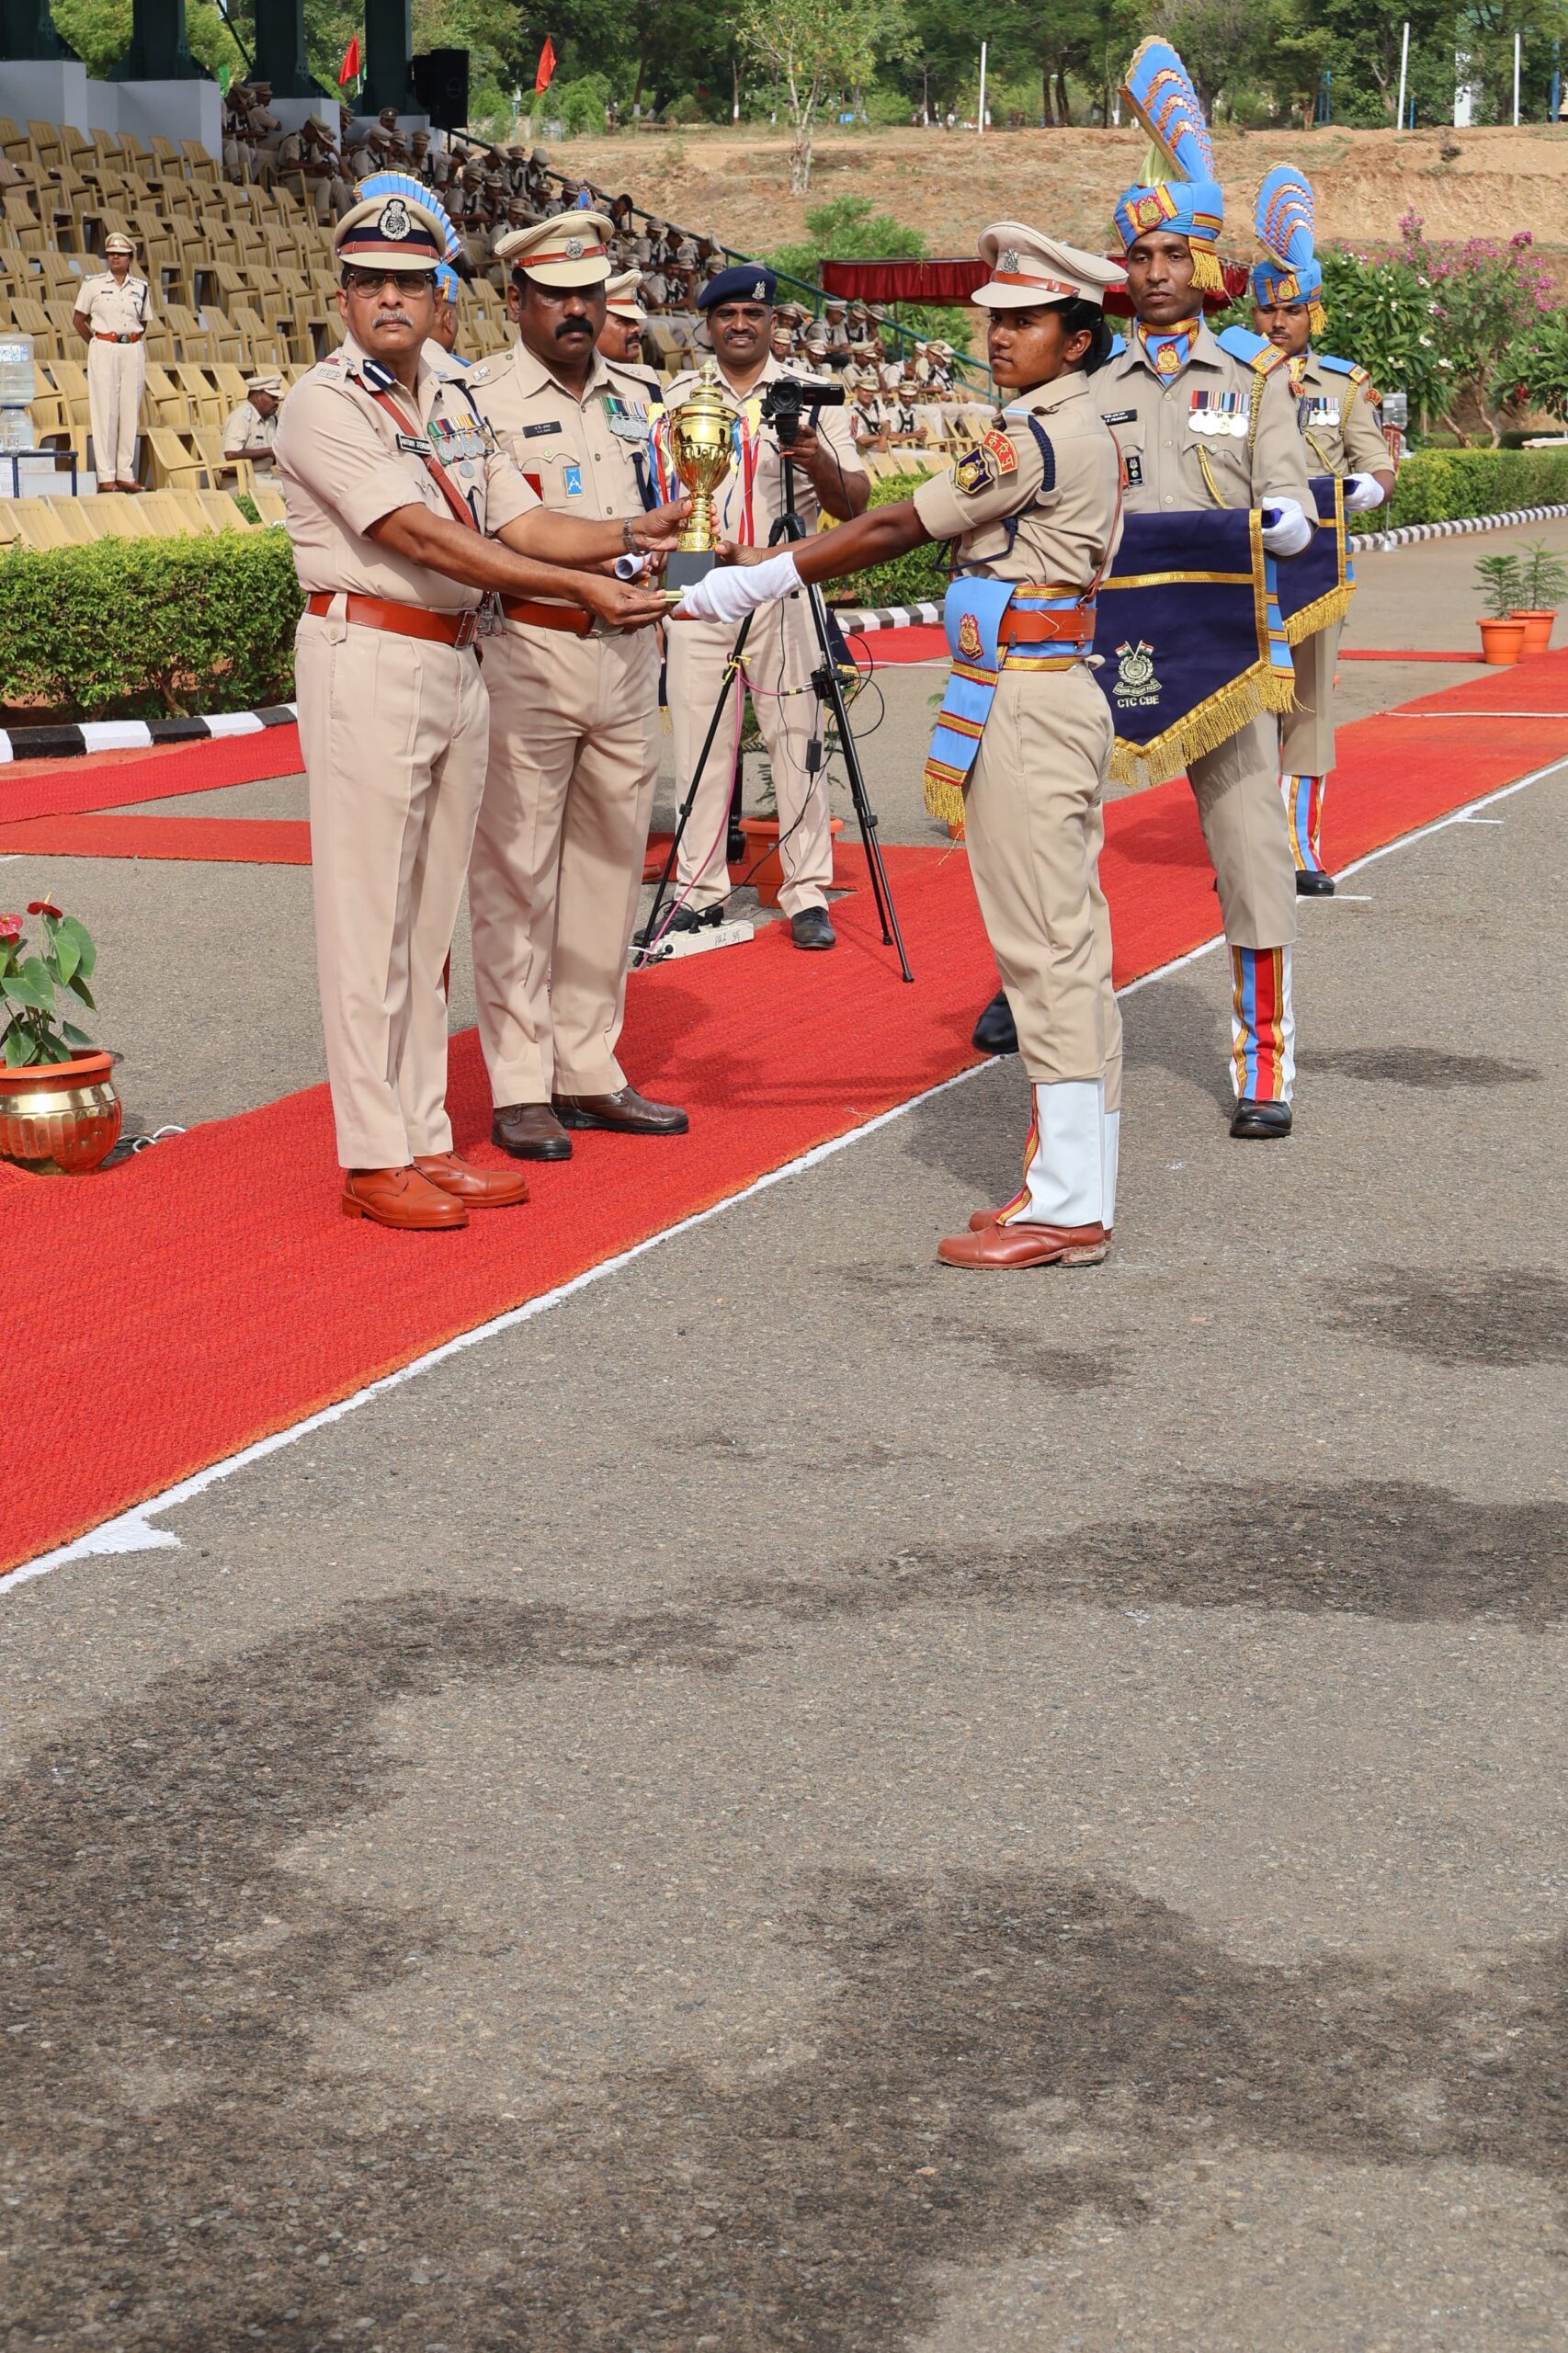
530 1131
624 1113
813 928
1264 1122
1317 886
996 1032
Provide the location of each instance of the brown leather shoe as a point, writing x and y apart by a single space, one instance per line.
477 1189
400 1197
1004 1246
980 1218
624 1113
530 1131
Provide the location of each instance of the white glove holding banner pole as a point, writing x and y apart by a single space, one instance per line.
731 591
1286 530
1362 492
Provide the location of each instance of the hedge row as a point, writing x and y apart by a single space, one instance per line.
148 629
1444 486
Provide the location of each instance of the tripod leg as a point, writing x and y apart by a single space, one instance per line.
649 929
833 695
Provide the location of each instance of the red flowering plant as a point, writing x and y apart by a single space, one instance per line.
32 1028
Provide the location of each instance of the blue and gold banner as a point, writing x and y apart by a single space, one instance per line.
1316 586
1189 638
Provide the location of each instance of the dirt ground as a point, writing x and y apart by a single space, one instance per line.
950 184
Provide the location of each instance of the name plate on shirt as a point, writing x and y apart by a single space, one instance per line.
1119 417
532 432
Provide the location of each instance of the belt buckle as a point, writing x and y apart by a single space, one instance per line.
468 630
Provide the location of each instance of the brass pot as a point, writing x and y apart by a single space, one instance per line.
60 1119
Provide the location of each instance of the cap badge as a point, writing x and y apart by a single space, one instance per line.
396 222
574 249
759 291
1007 259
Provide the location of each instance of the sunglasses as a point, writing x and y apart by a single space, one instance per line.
371 281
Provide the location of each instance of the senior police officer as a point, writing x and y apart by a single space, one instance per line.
397 495
780 653
110 315
1337 409
1035 513
621 338
575 725
1162 396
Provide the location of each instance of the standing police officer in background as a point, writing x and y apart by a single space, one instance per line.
781 650
574 725
110 316
1337 408
620 337
397 495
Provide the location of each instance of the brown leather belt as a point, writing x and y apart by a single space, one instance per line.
403 620
1025 626
116 338
567 617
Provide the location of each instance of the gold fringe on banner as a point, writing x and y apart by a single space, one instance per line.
1332 605
1204 729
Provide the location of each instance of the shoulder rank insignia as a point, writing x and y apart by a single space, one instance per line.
1002 451
975 470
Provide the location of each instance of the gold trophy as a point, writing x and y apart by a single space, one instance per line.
701 431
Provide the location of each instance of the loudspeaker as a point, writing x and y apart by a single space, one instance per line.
440 84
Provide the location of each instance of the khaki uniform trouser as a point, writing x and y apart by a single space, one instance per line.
781 655
558 855
1306 733
117 372
1034 827
1242 815
394 732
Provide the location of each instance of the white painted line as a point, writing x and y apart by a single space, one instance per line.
130 1531
1481 821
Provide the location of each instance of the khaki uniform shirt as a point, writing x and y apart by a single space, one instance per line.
345 462
569 451
1065 535
109 309
248 433
768 485
1171 466
1338 417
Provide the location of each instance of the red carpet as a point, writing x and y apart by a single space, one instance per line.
113 779
210 1292
234 841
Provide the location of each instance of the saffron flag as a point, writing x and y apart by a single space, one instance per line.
349 69
546 67
1316 586
1189 638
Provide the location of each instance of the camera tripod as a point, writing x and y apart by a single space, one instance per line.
828 687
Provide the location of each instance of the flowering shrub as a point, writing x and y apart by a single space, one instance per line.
1533 371
31 1028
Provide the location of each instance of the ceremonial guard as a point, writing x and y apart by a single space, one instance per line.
110 316
1200 428
397 495
1022 748
781 650
574 725
1337 408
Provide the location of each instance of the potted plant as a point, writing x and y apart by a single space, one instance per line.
59 1112
1502 636
1542 584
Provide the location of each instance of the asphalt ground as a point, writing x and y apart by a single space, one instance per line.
803 1799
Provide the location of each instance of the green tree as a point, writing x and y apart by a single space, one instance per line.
816 49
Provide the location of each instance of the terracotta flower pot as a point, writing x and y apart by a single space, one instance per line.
60 1119
762 835
1502 642
1538 620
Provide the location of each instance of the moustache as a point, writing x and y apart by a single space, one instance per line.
572 326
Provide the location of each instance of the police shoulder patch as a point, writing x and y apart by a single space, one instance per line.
975 470
1000 447
1270 359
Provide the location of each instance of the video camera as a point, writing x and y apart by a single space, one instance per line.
786 397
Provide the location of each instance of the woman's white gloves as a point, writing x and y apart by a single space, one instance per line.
731 591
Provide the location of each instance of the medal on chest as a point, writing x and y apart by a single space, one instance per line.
1219 414
628 420
1314 410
